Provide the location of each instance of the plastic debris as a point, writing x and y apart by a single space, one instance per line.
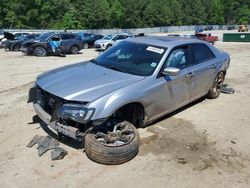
34 141
227 90
58 153
46 143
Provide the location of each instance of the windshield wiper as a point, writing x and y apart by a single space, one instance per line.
115 68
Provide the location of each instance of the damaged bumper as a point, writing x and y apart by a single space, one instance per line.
69 131
38 101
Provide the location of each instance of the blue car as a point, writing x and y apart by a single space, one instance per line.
69 43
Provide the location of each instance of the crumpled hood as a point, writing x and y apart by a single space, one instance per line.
84 81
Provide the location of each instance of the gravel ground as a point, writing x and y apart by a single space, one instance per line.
203 145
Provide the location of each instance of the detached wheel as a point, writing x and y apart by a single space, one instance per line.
74 49
40 51
214 91
112 147
85 46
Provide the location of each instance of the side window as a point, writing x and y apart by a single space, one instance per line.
201 53
178 58
55 38
67 37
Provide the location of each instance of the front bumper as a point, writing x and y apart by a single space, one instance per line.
69 131
100 46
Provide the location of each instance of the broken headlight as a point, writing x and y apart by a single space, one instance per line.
75 112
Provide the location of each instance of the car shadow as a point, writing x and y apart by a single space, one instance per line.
64 139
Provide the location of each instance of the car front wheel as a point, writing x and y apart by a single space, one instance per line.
16 47
112 146
108 46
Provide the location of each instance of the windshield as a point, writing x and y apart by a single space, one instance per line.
133 58
108 37
44 36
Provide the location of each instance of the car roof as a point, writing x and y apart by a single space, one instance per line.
164 41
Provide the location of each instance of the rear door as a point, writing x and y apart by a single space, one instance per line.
203 69
67 41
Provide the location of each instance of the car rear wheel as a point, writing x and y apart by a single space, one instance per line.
85 46
215 90
40 51
74 49
115 146
16 47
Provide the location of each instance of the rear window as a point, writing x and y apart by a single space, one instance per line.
201 53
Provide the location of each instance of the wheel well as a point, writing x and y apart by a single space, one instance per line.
132 112
75 45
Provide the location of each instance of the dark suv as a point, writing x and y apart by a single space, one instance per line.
89 39
69 43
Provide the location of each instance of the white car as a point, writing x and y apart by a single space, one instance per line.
110 40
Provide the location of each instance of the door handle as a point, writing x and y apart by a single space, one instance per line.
213 66
189 75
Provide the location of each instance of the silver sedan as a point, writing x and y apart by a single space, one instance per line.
137 80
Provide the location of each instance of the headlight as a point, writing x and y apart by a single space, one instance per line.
76 112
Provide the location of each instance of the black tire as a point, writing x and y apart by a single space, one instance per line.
108 46
110 153
16 47
85 46
74 49
40 51
215 89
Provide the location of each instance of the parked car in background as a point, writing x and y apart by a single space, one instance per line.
208 28
242 28
138 80
15 45
110 40
1 34
199 30
207 37
7 36
89 41
70 43
231 27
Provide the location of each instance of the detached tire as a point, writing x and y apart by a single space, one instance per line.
101 147
215 90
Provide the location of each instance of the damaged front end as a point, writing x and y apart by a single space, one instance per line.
67 118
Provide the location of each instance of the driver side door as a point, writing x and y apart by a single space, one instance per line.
175 91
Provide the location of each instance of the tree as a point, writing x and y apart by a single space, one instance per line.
158 13
214 10
177 13
194 12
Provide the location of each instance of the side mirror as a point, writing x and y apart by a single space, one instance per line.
171 71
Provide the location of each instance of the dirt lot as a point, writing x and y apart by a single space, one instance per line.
204 145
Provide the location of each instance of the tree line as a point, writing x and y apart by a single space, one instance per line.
97 14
